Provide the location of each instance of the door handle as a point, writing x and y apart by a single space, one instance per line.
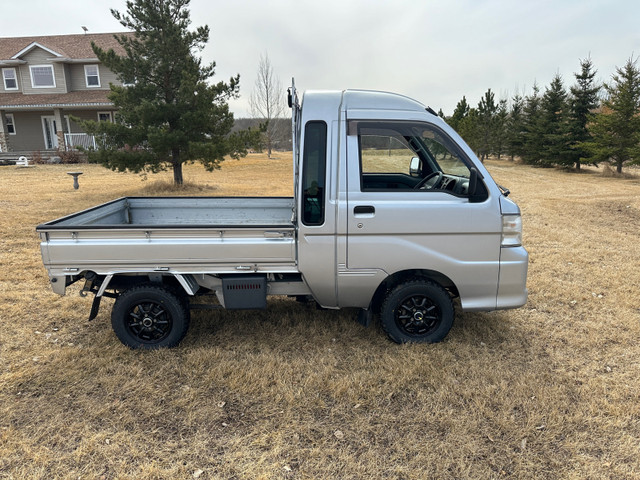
364 210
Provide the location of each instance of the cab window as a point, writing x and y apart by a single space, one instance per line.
409 156
314 165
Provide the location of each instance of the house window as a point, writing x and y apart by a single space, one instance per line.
92 75
10 79
105 117
42 76
11 124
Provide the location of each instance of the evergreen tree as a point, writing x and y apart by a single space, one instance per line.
616 130
169 113
515 127
486 112
532 138
460 112
469 129
584 100
553 124
500 128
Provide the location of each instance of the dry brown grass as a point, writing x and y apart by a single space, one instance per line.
547 391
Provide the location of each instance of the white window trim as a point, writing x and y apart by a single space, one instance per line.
53 75
15 77
86 76
106 113
13 122
31 46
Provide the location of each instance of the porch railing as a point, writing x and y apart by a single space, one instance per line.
75 140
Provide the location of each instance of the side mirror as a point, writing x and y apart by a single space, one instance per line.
476 194
414 168
473 181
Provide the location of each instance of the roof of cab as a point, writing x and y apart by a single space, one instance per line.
374 100
365 100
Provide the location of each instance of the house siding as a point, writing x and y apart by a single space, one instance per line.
84 115
107 77
78 80
29 135
37 56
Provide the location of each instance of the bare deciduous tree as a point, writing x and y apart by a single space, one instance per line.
267 100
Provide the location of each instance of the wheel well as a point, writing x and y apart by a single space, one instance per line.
121 282
406 275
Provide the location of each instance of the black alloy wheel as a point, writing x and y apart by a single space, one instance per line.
418 311
149 317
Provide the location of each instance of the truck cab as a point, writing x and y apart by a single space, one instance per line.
390 193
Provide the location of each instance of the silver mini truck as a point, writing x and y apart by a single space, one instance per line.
393 214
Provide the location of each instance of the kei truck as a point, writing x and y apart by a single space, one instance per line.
393 214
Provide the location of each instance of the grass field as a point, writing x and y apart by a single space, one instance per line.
547 391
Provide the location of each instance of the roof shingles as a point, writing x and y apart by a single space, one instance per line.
69 46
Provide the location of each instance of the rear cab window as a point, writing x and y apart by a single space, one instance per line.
314 166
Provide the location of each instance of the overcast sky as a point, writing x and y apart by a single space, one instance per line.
433 51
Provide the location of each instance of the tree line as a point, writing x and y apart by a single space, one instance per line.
587 124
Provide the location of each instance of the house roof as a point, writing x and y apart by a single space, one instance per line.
64 46
79 99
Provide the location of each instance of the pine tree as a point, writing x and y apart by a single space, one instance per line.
584 100
486 112
616 130
532 142
169 113
460 112
515 127
553 124
500 128
469 129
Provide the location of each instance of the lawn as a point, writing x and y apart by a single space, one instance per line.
550 390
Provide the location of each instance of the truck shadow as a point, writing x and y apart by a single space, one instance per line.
287 323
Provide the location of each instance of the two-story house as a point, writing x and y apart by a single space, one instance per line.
47 80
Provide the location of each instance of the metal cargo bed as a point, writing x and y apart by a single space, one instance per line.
177 234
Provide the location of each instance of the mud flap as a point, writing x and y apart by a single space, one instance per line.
95 307
365 317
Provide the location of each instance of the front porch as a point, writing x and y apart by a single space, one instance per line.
31 132
45 123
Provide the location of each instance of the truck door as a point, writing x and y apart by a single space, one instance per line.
408 208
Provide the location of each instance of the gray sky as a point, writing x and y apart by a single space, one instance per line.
433 51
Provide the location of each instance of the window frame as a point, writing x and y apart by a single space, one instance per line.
356 126
97 75
12 123
53 76
105 113
5 78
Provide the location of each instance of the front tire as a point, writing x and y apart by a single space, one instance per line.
150 317
419 311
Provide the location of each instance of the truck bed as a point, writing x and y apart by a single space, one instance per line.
178 234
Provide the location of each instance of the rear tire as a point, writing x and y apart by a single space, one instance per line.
150 317
419 311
